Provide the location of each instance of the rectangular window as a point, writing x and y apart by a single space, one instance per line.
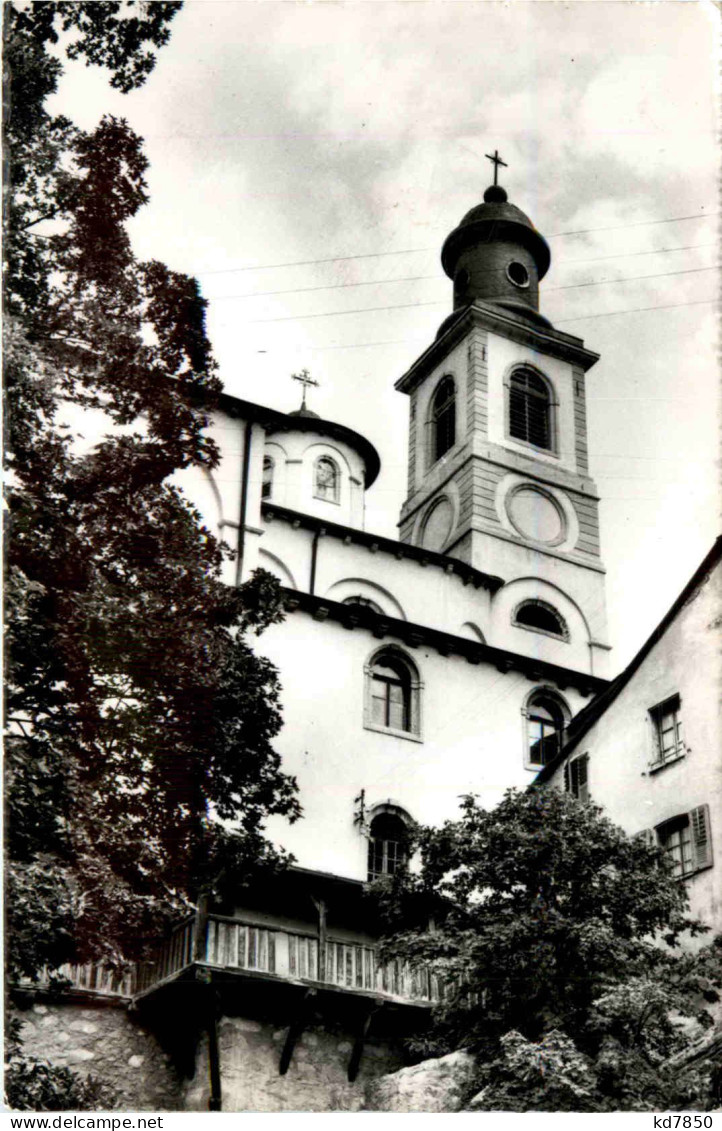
676 839
667 723
576 777
687 841
389 703
385 857
544 741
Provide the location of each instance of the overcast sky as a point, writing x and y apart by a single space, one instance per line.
282 133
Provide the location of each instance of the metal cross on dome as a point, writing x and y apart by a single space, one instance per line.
496 161
305 380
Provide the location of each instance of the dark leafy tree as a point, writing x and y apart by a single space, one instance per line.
140 764
654 1049
538 908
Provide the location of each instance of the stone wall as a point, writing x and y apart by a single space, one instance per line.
106 1042
316 1079
443 1084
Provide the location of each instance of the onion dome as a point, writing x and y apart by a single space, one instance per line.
496 255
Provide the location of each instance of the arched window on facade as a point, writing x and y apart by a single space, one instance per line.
326 480
530 409
388 845
393 689
541 617
546 719
443 419
267 481
363 603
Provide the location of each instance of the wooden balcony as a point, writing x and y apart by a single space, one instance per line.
240 947
233 944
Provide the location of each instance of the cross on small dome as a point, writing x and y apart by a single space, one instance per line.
306 380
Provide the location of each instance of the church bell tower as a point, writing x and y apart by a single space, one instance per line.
498 469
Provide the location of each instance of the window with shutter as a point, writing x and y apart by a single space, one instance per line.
701 836
687 841
576 777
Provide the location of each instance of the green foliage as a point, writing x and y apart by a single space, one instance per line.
638 1051
32 1084
550 1075
540 903
140 760
538 916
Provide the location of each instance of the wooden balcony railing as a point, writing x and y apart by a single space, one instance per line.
93 977
232 944
173 955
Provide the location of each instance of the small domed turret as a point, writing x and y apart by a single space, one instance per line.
307 412
496 255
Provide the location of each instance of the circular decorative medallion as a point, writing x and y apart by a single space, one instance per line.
437 525
536 515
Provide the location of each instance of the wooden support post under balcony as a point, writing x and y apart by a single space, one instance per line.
358 1045
210 1008
297 1026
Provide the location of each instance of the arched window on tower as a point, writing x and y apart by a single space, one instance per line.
267 481
326 480
388 845
530 409
540 617
393 691
546 719
443 419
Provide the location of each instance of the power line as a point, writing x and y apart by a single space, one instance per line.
636 224
580 318
338 313
440 302
414 250
633 254
308 262
633 278
636 310
424 278
328 287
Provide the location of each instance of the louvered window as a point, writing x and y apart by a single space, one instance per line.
576 777
443 418
529 409
687 841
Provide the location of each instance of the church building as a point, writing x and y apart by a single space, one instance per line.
450 660
414 670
